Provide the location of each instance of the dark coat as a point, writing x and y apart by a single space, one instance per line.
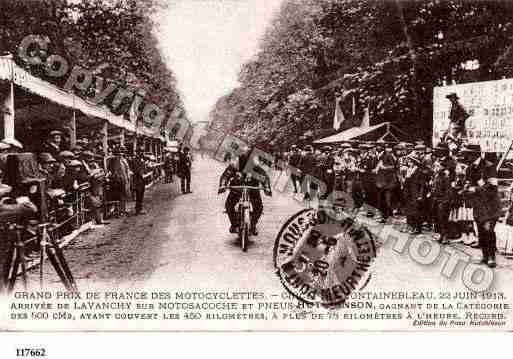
458 115
386 176
322 163
487 204
184 164
120 175
442 189
308 163
368 164
169 164
71 176
415 190
326 166
51 149
139 170
295 159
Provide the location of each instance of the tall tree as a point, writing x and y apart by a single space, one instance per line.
390 53
112 38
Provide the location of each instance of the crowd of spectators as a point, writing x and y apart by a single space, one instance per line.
69 186
451 189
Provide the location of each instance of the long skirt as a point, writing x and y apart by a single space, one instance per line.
462 213
463 218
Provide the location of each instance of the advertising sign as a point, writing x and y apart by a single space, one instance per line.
490 105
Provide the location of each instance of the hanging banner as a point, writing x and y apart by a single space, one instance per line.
490 105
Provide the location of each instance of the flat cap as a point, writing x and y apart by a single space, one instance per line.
67 154
46 157
56 132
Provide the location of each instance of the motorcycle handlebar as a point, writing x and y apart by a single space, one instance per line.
242 187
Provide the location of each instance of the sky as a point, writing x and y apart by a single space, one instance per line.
207 41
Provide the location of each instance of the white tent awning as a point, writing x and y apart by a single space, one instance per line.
10 71
350 133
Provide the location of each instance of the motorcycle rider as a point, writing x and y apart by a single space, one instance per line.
236 175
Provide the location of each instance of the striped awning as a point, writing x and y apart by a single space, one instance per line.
10 71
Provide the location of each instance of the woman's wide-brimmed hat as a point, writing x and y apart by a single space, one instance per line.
414 158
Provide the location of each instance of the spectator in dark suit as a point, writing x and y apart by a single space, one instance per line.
386 181
457 117
184 170
441 197
307 166
53 144
48 167
169 167
368 163
415 190
95 175
139 169
119 172
295 161
487 209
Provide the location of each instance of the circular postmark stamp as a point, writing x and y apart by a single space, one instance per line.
320 259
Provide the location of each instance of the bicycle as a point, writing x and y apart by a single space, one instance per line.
244 209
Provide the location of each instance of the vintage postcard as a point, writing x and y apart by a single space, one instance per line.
256 165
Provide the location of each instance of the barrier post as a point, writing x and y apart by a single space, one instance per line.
504 156
7 103
105 137
73 130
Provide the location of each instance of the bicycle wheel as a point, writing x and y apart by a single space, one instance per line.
245 229
244 237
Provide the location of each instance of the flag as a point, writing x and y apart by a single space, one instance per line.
339 115
366 119
135 110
